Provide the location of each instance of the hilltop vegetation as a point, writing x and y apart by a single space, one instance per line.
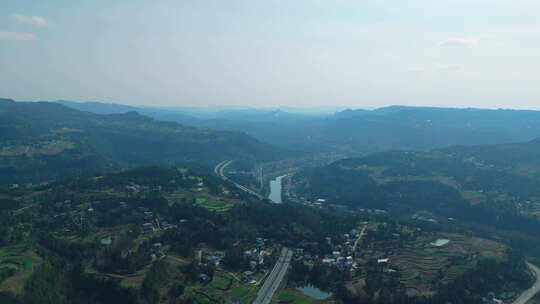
47 141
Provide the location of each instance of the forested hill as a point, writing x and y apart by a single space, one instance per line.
42 141
496 185
425 128
490 171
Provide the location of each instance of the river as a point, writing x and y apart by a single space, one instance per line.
275 190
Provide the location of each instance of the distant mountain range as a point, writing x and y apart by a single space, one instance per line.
42 141
353 132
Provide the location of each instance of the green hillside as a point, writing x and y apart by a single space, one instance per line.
46 141
496 186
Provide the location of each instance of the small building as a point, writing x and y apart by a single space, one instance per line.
147 227
247 276
328 261
383 261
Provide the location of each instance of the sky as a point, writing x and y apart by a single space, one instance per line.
297 53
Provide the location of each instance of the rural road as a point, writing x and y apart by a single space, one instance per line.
359 238
266 293
220 170
529 293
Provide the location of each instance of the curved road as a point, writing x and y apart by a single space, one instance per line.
531 292
219 170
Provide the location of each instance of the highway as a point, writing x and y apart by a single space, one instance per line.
265 294
220 170
529 293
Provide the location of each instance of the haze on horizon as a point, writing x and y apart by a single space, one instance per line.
305 53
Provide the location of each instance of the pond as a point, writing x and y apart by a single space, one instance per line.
314 292
106 241
275 190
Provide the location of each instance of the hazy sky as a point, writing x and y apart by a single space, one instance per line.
359 53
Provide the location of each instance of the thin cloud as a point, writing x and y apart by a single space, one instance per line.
458 42
4 35
416 70
448 68
33 20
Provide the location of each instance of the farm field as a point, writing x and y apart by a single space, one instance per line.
222 289
17 262
293 296
203 200
213 205
420 263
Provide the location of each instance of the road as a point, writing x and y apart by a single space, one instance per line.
220 170
265 294
359 238
529 293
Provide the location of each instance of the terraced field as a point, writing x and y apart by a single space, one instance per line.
203 200
21 261
421 263
213 205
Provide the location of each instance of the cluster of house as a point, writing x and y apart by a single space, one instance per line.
339 260
79 216
148 216
216 257
255 255
247 277
256 258
344 256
